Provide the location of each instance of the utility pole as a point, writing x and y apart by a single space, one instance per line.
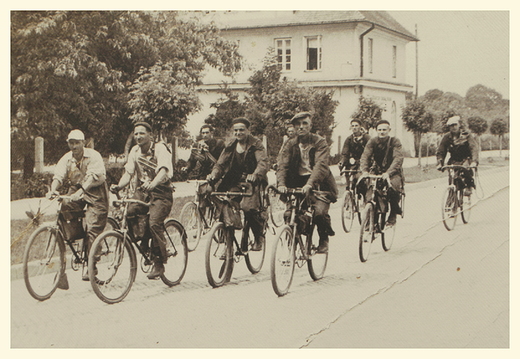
416 65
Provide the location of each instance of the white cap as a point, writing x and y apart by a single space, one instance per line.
76 135
453 121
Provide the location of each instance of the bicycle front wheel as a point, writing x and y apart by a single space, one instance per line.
176 251
43 262
387 235
465 203
449 208
190 219
367 234
347 211
276 209
254 259
112 266
219 256
317 262
282 261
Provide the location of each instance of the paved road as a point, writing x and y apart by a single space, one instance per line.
412 296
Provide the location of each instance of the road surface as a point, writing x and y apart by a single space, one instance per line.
433 289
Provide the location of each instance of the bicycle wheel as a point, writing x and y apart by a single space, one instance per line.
177 251
43 262
465 203
347 211
282 261
367 232
387 235
449 208
112 266
111 225
276 209
254 259
190 219
219 255
317 262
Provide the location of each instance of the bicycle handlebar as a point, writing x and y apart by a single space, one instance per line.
130 200
349 171
457 167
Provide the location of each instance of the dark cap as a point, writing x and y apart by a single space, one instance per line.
144 124
300 116
243 120
380 122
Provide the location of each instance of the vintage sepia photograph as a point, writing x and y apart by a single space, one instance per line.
260 179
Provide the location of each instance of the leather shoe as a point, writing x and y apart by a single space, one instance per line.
392 219
258 244
323 247
157 270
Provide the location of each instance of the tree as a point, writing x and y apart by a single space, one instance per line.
478 126
368 112
417 120
499 128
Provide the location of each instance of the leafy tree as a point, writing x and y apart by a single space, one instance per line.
499 128
417 120
478 126
368 112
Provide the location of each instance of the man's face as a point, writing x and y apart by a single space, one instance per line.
454 128
205 134
240 131
303 126
76 146
383 130
356 128
291 132
142 136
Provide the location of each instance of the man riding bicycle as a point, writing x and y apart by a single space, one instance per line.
206 152
304 162
85 170
353 149
383 156
151 162
463 149
244 159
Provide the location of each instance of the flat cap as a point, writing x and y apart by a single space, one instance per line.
299 116
454 120
243 120
76 135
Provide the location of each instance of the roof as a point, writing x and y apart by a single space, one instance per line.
233 20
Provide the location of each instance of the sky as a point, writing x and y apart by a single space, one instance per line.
458 49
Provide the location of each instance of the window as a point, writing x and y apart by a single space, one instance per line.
313 53
370 51
394 61
283 53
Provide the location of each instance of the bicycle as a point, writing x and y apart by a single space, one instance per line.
44 260
113 262
373 217
289 248
454 201
223 248
352 202
197 221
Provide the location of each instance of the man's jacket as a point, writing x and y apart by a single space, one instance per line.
255 162
384 155
321 177
353 148
461 147
207 159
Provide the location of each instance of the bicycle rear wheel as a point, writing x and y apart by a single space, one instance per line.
112 266
254 259
177 252
43 262
465 203
190 219
219 255
317 262
282 261
347 211
449 208
367 232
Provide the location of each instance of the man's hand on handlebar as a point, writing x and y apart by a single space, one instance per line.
52 194
251 178
114 188
306 189
385 176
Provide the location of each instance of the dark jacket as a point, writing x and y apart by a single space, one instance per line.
321 177
461 147
207 160
256 162
384 155
353 149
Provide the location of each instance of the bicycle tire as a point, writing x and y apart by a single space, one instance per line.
317 262
276 209
465 211
254 259
43 262
283 261
347 211
218 259
112 266
112 224
177 252
449 208
190 219
387 235
367 234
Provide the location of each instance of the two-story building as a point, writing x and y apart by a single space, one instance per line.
353 53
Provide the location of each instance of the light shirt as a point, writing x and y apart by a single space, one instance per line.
77 171
147 165
305 163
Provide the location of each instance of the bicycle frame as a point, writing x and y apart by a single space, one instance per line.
377 195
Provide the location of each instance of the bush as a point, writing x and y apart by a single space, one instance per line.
35 186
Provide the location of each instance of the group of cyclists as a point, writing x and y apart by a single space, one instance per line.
303 162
